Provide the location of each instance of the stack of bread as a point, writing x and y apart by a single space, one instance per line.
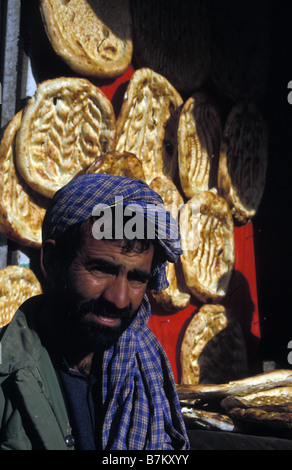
169 132
258 402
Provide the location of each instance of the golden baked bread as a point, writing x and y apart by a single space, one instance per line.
204 419
147 123
117 163
65 126
173 39
17 284
199 140
94 38
259 416
207 238
213 348
278 399
176 297
254 384
21 208
243 161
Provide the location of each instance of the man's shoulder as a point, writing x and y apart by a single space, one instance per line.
19 340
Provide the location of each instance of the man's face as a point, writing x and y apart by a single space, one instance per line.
102 290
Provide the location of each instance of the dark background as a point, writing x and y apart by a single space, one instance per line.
272 225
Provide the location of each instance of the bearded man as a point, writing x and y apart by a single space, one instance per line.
81 369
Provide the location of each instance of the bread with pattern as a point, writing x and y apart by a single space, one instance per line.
93 38
65 126
243 161
17 284
147 123
207 236
199 140
176 296
21 208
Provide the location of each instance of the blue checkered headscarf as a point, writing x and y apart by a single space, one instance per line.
75 202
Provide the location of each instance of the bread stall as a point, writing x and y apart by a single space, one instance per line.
191 97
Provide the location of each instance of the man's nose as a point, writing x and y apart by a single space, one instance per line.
117 291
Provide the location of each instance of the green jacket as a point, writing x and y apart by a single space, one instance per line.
32 411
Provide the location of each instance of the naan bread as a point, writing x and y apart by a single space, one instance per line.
199 140
254 384
261 417
147 123
176 297
17 284
213 348
210 420
207 235
117 163
21 208
64 127
278 399
94 38
243 161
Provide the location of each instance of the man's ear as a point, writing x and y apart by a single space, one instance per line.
48 260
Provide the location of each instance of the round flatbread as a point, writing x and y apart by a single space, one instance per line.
243 161
199 140
213 349
17 284
21 208
65 126
117 163
147 123
176 296
207 236
93 38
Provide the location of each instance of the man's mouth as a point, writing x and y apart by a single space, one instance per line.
104 320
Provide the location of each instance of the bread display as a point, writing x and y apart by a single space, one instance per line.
249 385
213 348
276 399
243 161
93 38
175 118
17 284
207 235
262 400
147 123
173 39
203 419
176 297
117 163
21 208
199 140
65 126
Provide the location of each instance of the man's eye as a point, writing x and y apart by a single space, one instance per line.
99 268
139 278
